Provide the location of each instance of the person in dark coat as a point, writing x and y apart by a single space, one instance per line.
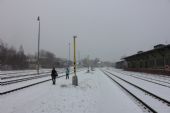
53 75
67 73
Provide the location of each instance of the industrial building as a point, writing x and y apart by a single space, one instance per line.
156 60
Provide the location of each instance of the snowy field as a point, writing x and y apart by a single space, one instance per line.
96 93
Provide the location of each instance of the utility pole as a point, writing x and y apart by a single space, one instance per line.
69 57
78 58
88 61
38 62
75 78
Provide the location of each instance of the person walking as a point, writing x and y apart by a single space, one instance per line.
67 73
53 75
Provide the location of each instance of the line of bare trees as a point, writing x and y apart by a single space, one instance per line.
48 59
10 58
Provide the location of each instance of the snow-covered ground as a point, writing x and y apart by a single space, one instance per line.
95 94
156 89
152 102
43 77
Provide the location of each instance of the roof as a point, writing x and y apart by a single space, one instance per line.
149 51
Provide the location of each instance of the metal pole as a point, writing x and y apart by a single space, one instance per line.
38 19
74 55
88 58
79 58
69 57
75 78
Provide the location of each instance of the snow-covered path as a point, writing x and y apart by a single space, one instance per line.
95 94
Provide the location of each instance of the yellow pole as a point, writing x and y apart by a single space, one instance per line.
75 78
75 55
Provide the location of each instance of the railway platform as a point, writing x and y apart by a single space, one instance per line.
96 93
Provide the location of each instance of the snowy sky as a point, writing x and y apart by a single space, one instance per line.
107 29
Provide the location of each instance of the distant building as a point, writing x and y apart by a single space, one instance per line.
156 59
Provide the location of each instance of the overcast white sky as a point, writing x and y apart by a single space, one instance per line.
107 29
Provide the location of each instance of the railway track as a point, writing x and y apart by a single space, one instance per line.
21 80
10 73
23 87
33 84
145 106
24 79
23 75
150 76
159 82
160 78
165 104
17 72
